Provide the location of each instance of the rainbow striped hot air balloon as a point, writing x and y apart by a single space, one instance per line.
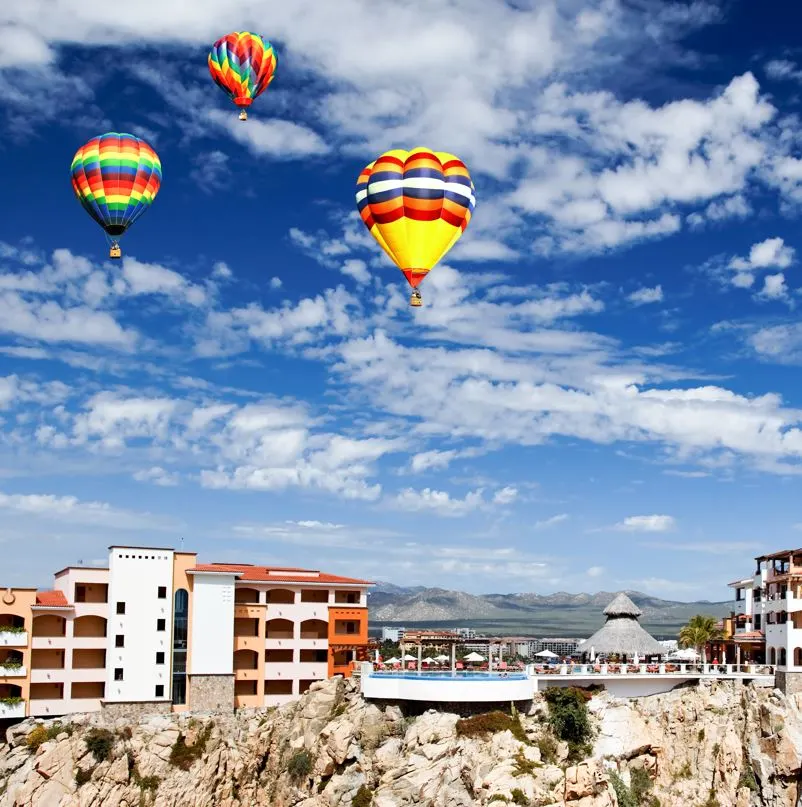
242 65
416 204
116 178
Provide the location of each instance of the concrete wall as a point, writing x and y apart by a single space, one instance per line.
212 626
455 690
135 575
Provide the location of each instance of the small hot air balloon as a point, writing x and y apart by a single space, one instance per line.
116 178
242 65
416 204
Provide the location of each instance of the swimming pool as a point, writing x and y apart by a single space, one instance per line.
448 675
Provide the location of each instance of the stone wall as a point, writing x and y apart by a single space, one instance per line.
789 683
112 710
211 693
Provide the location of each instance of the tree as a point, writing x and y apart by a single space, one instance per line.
698 632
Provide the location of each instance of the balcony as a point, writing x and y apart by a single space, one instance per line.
315 670
249 611
10 710
55 675
12 672
10 638
42 707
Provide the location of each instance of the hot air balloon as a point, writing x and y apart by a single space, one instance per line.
242 64
116 178
416 204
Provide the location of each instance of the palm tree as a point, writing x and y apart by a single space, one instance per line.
698 632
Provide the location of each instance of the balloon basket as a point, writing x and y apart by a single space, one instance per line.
115 251
243 115
416 301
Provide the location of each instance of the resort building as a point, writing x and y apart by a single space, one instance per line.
156 631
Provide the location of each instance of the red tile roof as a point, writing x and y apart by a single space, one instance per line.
264 574
55 599
749 636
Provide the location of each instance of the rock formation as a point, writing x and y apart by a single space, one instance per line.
721 744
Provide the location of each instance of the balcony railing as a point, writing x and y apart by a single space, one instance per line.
13 638
14 671
12 709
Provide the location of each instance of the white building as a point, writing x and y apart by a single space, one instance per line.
156 631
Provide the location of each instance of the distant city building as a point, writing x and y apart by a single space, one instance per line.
466 633
392 634
562 647
157 630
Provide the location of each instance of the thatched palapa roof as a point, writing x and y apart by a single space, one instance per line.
622 634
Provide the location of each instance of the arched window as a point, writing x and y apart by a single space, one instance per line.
180 635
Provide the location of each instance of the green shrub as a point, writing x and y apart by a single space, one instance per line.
569 718
524 766
548 748
11 629
491 723
747 779
685 771
622 792
519 797
99 742
13 700
184 756
36 737
640 783
363 798
300 764
83 775
499 797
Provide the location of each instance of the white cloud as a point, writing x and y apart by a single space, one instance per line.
507 495
773 253
646 524
438 501
595 571
356 269
646 295
275 283
550 522
157 476
780 69
774 287
72 510
277 138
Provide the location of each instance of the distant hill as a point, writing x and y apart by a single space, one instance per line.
560 614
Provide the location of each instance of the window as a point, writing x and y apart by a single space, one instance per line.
160 658
162 592
119 640
80 593
159 690
758 622
160 624
120 607
179 659
118 673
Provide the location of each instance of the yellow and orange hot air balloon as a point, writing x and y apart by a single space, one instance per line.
416 204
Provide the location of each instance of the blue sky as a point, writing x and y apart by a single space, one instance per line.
602 389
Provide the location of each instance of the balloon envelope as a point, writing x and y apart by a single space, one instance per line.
416 204
116 178
242 65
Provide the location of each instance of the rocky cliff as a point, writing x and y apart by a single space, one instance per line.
716 745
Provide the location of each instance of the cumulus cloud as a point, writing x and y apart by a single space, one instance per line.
645 296
773 253
72 510
646 524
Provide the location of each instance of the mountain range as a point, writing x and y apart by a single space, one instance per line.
559 614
